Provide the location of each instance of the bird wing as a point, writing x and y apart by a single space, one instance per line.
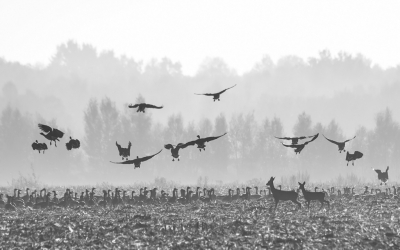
291 145
283 138
207 139
133 106
69 145
58 133
226 89
152 106
334 142
378 171
118 146
207 94
147 157
77 143
45 128
184 145
125 162
313 139
349 139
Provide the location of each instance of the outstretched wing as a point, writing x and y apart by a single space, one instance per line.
133 106
313 139
226 89
184 145
147 157
207 94
291 145
125 162
153 107
45 128
283 138
207 139
58 133
378 171
334 142
118 146
349 139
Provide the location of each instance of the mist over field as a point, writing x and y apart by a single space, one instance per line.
85 93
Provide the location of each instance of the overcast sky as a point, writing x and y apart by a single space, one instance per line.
240 32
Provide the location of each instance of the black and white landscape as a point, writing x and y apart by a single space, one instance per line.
226 117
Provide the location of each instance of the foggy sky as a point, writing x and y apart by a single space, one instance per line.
240 32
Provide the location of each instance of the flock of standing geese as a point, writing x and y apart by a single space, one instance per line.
54 135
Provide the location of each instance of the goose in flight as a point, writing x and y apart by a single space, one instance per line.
295 140
201 142
340 144
39 146
73 143
383 176
142 106
175 149
353 157
299 147
124 152
52 133
216 95
138 160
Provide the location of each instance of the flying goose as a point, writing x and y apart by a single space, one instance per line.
216 95
295 140
353 157
175 149
138 160
340 144
383 176
73 143
299 147
142 106
52 133
202 141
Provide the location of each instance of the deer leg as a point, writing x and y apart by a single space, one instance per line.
322 204
276 204
329 205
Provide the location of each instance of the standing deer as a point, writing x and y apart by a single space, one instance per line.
313 196
282 195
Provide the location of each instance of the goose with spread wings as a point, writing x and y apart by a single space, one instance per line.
138 160
295 140
352 157
175 149
382 176
216 95
53 134
142 106
299 147
341 145
201 142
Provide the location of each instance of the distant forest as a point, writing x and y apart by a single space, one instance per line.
85 93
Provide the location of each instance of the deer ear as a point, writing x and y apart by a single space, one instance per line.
304 183
299 183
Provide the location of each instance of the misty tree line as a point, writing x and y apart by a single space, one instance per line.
248 150
58 94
